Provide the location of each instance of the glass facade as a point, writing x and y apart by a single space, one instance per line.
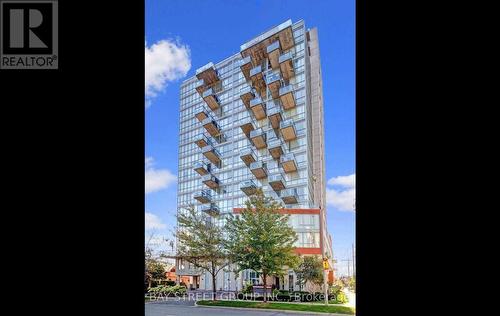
229 117
246 159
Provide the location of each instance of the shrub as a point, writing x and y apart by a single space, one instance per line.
341 297
247 289
170 283
163 290
283 297
335 289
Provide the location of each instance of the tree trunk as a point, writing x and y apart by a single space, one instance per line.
214 286
265 288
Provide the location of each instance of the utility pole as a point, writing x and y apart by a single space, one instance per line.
353 262
348 266
325 276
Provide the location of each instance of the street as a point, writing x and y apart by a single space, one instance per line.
171 308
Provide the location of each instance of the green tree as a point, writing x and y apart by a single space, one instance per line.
154 270
310 270
200 241
260 238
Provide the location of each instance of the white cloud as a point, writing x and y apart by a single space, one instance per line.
152 221
165 61
157 179
343 181
343 197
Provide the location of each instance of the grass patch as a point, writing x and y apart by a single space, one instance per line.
284 306
329 302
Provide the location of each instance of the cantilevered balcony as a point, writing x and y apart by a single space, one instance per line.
211 99
287 97
273 53
211 209
259 169
248 156
203 196
289 196
258 138
201 168
275 148
257 77
286 65
258 108
277 182
288 131
247 126
208 73
248 187
273 82
200 86
211 126
274 114
210 181
247 94
257 48
201 114
288 162
246 66
202 141
211 154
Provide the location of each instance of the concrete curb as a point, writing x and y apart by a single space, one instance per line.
273 309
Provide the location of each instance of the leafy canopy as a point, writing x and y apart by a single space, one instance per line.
261 238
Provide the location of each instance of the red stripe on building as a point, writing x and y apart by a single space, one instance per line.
308 251
288 210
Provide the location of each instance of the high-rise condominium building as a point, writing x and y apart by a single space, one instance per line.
255 120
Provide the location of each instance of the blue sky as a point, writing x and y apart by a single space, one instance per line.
182 36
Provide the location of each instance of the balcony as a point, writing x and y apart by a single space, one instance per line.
258 138
200 86
211 154
274 115
211 209
257 48
202 141
248 156
288 162
201 114
257 77
246 126
289 196
286 65
245 66
288 131
273 53
273 82
202 168
275 148
277 182
287 97
210 181
259 169
208 73
211 99
248 187
258 108
246 95
203 196
211 126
